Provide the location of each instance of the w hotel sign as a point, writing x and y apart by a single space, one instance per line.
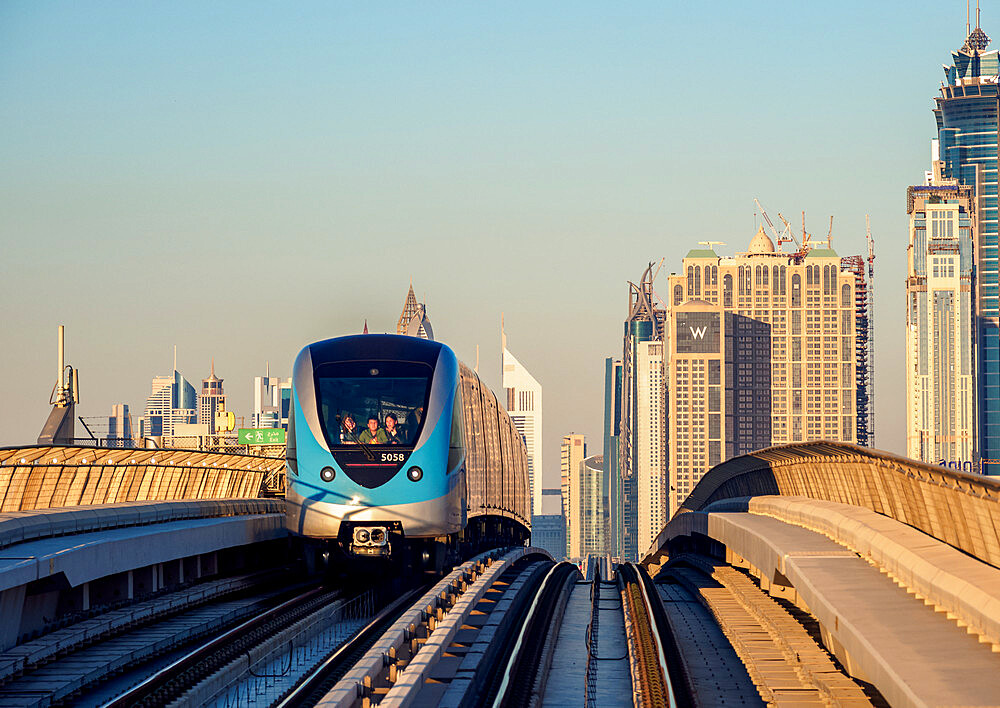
698 332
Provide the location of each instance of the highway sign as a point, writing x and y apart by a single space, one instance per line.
261 436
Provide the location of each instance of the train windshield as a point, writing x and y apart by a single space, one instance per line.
372 402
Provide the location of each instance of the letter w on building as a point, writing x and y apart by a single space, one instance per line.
698 333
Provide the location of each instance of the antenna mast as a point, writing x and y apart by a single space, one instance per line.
60 427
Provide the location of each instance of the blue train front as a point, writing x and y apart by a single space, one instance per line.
377 458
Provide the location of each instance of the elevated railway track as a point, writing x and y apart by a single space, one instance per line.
749 597
508 628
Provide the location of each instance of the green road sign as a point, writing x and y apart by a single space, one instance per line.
261 436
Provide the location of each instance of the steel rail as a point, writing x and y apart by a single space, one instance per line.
335 665
657 633
647 637
147 688
541 603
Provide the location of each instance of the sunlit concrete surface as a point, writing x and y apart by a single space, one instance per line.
136 551
962 510
897 560
41 477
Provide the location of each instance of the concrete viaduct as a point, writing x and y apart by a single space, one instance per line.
891 566
83 528
897 561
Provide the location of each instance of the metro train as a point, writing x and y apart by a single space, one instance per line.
397 450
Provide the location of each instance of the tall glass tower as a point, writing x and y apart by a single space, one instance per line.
645 323
966 114
612 452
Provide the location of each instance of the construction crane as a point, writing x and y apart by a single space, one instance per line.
712 244
767 219
829 234
790 237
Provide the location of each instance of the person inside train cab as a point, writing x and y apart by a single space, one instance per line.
393 434
349 431
373 434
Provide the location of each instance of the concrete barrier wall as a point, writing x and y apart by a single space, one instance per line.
934 571
23 526
45 477
959 509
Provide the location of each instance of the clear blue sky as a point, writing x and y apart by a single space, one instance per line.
241 178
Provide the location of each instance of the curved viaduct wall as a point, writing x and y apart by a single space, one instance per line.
962 510
43 477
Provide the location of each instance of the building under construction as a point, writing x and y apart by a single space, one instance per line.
864 345
643 327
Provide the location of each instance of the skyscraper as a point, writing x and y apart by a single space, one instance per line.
572 453
649 453
966 149
413 321
612 459
593 510
524 405
173 401
120 427
768 340
272 399
940 326
697 378
211 400
645 323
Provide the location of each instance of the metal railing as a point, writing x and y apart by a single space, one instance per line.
592 634
269 673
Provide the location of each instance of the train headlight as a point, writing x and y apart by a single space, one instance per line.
361 535
415 474
327 474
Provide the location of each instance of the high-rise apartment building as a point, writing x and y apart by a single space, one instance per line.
940 325
211 400
612 459
774 336
593 506
645 323
966 149
696 372
966 114
272 400
524 405
649 452
173 401
414 321
572 453
120 427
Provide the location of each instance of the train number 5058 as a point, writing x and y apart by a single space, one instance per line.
392 457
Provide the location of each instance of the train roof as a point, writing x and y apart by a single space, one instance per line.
378 347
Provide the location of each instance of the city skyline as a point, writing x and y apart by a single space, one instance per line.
113 164
763 470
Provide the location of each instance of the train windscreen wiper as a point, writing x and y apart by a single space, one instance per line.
364 448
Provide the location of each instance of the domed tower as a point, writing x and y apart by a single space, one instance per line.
761 243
